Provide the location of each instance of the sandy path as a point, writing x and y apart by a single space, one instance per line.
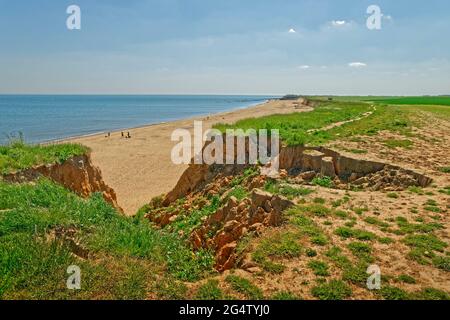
140 168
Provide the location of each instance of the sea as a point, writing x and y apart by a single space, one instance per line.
43 118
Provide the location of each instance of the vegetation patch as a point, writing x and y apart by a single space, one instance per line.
245 287
319 268
18 156
332 290
209 291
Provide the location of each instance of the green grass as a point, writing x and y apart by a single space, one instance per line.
209 291
444 169
393 195
394 293
319 268
325 182
284 295
431 294
361 250
19 156
399 118
34 266
406 279
394 143
307 226
333 290
346 233
190 220
288 191
245 287
278 246
239 193
442 101
294 127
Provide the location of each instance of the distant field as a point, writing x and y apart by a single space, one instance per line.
441 101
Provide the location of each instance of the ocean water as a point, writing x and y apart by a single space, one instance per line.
43 118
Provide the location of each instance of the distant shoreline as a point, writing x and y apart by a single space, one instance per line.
102 133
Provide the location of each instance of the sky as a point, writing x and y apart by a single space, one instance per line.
266 47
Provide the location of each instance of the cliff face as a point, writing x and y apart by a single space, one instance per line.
312 161
77 174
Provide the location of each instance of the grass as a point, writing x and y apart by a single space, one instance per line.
278 246
394 143
361 250
346 233
319 268
190 220
315 209
441 101
307 226
444 169
288 191
406 279
239 193
18 156
325 182
333 290
245 287
393 195
294 127
209 291
284 295
431 294
33 265
394 293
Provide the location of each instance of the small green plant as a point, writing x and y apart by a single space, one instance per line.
245 287
284 295
393 143
431 294
319 200
385 240
416 190
280 245
311 253
325 182
361 250
442 263
406 279
333 290
209 291
393 293
393 195
444 169
319 268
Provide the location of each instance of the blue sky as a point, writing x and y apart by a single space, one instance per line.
225 47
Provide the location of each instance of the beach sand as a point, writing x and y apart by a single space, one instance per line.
140 168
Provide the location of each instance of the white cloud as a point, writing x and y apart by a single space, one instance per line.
292 31
304 67
357 64
339 23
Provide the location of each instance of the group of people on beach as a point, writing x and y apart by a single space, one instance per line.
127 136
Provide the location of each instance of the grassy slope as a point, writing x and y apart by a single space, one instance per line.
294 127
18 155
443 101
129 254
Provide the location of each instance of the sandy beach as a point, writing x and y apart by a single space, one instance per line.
140 168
